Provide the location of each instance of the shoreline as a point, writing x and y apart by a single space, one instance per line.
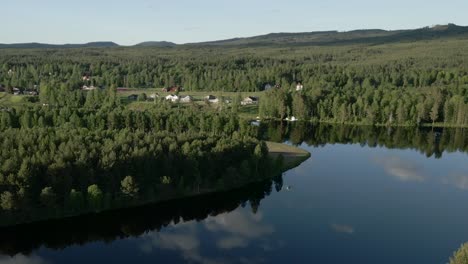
293 157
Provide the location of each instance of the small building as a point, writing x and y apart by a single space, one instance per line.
172 89
86 78
212 99
16 91
299 86
132 97
249 100
172 97
186 99
88 88
267 87
30 92
154 96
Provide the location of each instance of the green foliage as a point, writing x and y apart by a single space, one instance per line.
461 255
129 187
95 197
7 200
166 180
48 197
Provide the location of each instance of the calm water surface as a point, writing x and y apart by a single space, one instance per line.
349 203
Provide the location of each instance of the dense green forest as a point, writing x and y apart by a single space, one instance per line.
406 78
69 161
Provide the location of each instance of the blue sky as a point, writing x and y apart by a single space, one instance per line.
132 21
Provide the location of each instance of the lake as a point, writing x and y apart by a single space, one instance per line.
366 195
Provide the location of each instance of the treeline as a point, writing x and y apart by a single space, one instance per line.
429 142
175 120
240 69
366 104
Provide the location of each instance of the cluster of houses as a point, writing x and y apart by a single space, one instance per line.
174 98
18 91
299 86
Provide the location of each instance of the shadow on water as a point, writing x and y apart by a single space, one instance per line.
133 222
428 141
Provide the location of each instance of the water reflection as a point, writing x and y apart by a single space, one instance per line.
134 222
230 231
457 180
345 229
403 170
430 142
348 203
22 259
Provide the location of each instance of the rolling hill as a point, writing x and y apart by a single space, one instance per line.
320 38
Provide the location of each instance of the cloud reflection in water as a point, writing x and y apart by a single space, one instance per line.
22 259
403 170
234 230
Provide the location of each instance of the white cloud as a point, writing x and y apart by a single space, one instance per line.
458 180
232 242
345 229
22 259
239 223
401 169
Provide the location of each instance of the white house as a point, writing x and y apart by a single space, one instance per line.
173 98
88 88
16 91
250 100
299 86
186 99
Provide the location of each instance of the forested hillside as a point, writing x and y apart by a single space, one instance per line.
420 79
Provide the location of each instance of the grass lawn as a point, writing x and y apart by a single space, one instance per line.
293 156
10 100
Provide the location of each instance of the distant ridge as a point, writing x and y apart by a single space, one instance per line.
34 45
361 36
156 44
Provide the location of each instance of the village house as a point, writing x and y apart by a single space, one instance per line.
172 97
299 86
173 89
212 99
88 88
16 91
154 96
86 78
186 99
30 92
267 87
249 100
132 97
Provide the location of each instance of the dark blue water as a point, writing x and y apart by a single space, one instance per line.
348 203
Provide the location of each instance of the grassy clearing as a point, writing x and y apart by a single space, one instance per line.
9 100
293 156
